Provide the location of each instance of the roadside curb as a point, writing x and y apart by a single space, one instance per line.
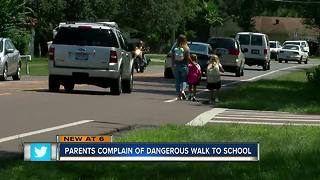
205 117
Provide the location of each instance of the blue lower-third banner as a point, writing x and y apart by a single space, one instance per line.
158 152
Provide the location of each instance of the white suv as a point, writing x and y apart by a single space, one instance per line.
90 53
256 48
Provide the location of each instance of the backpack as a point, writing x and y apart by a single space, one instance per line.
213 74
178 54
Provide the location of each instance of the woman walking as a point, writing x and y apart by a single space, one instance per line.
181 58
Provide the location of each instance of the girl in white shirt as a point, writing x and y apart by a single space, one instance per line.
213 77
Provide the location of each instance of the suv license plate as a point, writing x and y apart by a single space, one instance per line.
255 51
221 51
82 56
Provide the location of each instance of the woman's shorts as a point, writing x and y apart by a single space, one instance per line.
194 83
213 86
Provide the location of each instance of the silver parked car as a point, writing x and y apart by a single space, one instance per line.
9 60
230 54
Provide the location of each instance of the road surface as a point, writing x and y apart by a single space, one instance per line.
29 113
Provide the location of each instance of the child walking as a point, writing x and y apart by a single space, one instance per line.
213 78
194 76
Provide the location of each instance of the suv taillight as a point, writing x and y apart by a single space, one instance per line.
113 57
51 53
265 51
234 52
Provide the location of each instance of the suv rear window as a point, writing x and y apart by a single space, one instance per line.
296 43
222 43
244 39
256 40
86 37
198 48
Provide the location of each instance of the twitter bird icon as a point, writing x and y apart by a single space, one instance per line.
40 152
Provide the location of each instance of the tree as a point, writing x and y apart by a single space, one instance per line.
310 11
158 20
12 16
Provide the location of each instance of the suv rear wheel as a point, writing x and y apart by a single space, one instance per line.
306 61
69 87
238 72
300 61
127 84
265 67
54 84
115 87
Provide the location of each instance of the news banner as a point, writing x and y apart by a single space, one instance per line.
101 148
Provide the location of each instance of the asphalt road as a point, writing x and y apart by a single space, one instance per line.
29 113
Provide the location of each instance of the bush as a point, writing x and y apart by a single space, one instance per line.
314 75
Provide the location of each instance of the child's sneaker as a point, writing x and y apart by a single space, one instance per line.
183 96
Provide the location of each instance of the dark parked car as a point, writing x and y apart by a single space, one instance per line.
202 50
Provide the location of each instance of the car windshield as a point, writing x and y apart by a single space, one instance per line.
256 40
198 48
244 39
272 44
296 43
222 43
291 47
85 36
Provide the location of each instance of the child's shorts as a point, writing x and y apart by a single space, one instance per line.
213 86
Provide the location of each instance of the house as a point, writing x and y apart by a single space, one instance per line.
278 28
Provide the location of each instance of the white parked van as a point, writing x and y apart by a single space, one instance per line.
256 48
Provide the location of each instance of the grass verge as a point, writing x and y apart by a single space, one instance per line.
286 153
156 56
39 66
290 93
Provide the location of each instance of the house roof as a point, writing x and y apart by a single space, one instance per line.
282 25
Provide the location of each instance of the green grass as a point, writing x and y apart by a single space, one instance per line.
286 152
39 66
156 63
157 56
290 93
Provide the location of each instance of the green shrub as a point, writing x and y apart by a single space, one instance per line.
314 75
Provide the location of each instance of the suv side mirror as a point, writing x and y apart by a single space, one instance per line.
129 47
9 50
